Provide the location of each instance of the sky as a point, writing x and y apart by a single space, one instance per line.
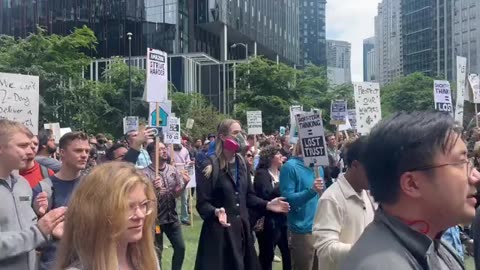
352 21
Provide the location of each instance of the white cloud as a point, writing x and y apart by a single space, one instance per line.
352 21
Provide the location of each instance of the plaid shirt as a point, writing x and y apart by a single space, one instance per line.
173 183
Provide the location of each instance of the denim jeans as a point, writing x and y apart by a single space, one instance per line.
174 234
184 207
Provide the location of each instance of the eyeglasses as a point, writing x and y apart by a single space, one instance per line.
145 207
249 155
469 162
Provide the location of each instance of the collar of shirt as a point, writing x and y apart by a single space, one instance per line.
347 189
424 249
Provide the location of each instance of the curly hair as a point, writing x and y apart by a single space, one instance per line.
266 156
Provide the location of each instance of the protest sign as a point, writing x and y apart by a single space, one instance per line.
165 113
294 110
190 122
254 122
172 135
130 123
156 85
191 173
19 99
474 82
352 118
461 79
345 127
367 106
338 112
312 138
55 128
64 131
442 96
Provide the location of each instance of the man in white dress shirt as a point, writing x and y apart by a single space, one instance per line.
343 211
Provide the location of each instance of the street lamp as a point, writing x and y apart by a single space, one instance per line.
130 70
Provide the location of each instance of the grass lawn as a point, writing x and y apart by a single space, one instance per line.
191 235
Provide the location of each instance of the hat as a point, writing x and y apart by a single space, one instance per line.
211 135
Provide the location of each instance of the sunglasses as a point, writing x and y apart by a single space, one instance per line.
249 155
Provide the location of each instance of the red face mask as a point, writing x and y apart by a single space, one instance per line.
231 145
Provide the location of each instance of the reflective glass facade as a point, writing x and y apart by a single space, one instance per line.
313 44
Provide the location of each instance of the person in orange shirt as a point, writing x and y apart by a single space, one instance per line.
33 171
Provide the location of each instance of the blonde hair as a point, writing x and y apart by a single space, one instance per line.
223 129
8 128
97 216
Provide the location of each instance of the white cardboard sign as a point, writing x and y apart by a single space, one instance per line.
368 109
461 79
312 138
294 110
172 135
254 122
442 96
19 99
474 81
55 128
130 123
156 86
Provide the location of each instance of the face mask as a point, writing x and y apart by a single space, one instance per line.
241 142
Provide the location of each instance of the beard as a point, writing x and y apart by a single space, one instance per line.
51 150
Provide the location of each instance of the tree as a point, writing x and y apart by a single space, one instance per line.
411 93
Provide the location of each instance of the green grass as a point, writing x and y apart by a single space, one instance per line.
191 235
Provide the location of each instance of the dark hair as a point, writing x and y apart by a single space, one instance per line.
43 136
151 147
266 156
353 150
250 137
71 136
264 143
401 143
110 153
283 140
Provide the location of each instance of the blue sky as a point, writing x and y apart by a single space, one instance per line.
352 21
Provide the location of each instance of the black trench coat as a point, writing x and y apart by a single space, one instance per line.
229 248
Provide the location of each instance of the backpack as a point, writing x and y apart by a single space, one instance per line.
44 171
47 186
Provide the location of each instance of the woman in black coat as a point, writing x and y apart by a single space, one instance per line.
275 230
224 195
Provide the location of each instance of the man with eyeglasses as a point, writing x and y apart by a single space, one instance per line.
169 185
420 175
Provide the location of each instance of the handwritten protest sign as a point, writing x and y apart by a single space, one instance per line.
312 138
156 86
130 123
474 82
442 96
367 106
191 173
19 99
338 112
461 79
172 135
254 122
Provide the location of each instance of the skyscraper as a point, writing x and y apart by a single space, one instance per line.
312 32
339 57
467 32
388 42
427 37
369 59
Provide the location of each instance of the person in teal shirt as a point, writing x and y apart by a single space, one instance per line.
302 191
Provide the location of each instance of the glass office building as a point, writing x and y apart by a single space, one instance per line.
313 44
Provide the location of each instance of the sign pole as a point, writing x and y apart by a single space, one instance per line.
157 140
476 113
191 205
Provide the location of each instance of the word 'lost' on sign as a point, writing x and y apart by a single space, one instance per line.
313 147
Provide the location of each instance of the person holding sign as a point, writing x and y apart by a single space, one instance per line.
224 194
302 190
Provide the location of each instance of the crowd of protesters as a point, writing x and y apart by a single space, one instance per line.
402 197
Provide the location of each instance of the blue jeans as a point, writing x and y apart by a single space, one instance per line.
184 217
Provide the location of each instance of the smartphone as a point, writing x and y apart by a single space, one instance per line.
157 131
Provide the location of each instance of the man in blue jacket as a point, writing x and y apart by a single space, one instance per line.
302 191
